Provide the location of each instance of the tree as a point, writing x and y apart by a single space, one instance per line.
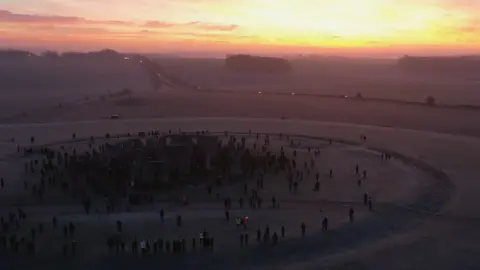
430 101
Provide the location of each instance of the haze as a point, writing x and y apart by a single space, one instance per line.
353 27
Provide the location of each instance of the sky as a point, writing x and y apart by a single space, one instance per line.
356 27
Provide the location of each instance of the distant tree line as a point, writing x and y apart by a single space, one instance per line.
248 63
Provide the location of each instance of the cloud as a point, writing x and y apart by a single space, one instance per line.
196 24
158 24
10 17
215 27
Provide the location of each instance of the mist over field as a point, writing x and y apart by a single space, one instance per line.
375 78
28 80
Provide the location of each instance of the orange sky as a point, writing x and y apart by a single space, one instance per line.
364 27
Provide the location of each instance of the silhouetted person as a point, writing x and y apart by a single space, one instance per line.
283 231
119 226
179 221
73 245
351 214
135 246
365 198
325 224
304 228
274 238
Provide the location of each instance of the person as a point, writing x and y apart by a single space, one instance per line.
227 215
74 245
283 231
317 186
2 183
351 214
245 222
241 239
325 224
274 202
194 244
179 221
266 238
259 235
201 238
143 246
331 173
274 238
134 245
119 226
357 169
246 239
238 221
365 198
304 228
295 186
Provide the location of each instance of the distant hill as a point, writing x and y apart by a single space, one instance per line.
453 65
248 63
24 74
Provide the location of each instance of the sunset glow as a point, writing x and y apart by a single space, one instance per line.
300 26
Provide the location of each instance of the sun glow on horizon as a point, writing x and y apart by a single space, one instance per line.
224 24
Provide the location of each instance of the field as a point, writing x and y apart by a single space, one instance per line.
426 212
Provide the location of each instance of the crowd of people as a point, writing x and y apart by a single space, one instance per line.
61 169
